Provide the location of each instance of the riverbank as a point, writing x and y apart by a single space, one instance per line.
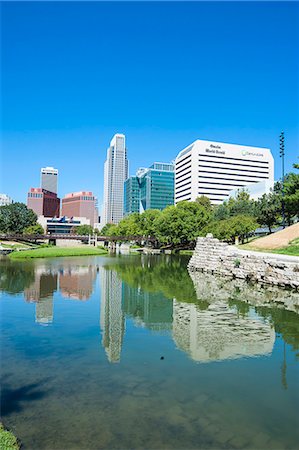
55 252
7 440
219 258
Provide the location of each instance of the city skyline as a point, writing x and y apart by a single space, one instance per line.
174 87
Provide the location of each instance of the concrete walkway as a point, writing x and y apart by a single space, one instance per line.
274 256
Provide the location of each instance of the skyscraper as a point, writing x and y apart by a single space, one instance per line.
131 196
156 186
49 179
115 174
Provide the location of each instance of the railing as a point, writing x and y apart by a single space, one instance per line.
36 237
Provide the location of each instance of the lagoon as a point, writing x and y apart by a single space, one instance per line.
124 353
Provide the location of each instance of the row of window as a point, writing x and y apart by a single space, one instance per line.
212 193
234 159
34 195
256 166
182 162
234 174
182 190
182 170
264 172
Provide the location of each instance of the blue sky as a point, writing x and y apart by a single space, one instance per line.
165 74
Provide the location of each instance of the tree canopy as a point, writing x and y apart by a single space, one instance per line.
15 218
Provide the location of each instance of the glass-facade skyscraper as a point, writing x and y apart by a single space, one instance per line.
131 196
115 174
152 187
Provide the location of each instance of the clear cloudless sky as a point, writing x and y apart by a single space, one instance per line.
165 74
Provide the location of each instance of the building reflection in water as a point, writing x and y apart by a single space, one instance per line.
75 282
214 325
41 292
219 332
112 320
150 310
207 329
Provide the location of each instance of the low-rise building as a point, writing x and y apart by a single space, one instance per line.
80 204
43 202
5 200
61 225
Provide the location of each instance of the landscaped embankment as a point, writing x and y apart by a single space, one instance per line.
51 252
219 258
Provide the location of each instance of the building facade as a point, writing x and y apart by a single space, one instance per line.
255 190
214 169
43 202
5 200
80 204
156 186
115 175
61 225
49 179
131 196
151 188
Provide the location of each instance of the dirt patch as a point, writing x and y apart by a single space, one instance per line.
277 240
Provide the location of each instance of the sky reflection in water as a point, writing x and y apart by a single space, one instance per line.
132 352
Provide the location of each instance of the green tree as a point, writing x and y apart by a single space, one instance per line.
180 225
148 220
15 218
105 230
34 230
267 210
234 206
205 202
290 197
83 230
240 226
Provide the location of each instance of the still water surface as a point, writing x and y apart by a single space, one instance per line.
123 353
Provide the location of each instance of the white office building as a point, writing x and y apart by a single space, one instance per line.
49 179
5 200
115 174
255 190
214 169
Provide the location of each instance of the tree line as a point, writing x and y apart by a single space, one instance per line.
179 225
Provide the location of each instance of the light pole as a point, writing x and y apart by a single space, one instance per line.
281 153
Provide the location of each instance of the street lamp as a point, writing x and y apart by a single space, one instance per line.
281 153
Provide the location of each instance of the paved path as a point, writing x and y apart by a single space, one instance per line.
275 256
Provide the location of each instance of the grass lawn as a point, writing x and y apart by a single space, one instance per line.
49 252
14 245
292 249
186 252
7 440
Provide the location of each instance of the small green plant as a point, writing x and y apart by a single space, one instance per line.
237 262
7 440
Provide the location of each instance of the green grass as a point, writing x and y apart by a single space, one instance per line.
51 252
186 252
7 440
16 245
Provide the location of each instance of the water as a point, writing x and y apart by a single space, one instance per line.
132 353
